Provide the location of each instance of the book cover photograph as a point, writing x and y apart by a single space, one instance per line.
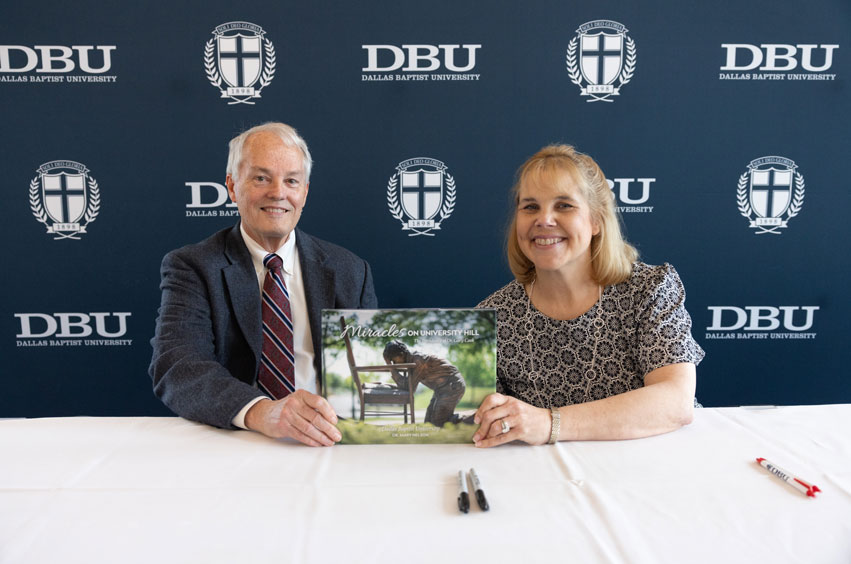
400 376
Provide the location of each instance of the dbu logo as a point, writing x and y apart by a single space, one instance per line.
420 58
55 58
72 325
209 199
631 191
761 318
208 195
777 57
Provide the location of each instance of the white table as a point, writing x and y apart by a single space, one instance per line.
155 490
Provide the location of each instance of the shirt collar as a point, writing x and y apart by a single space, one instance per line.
258 253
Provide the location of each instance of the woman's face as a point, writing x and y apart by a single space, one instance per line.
554 225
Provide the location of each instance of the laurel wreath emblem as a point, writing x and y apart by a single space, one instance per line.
572 67
794 206
797 197
742 196
93 209
629 62
624 77
91 213
35 202
269 64
448 202
396 209
210 64
393 198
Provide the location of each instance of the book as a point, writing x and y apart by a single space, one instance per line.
401 376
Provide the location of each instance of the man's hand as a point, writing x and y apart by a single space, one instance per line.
303 416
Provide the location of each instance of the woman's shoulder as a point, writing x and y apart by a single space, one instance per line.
653 274
650 279
508 294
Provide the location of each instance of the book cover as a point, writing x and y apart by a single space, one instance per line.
400 376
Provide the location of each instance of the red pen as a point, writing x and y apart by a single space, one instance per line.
797 483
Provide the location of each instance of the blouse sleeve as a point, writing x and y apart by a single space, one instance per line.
664 324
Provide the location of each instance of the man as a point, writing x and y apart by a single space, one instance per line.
433 372
210 359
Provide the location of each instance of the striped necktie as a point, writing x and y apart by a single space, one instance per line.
276 376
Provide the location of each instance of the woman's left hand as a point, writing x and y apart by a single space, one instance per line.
523 422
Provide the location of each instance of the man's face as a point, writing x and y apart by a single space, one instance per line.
270 189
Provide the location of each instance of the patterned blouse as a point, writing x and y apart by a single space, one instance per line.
636 327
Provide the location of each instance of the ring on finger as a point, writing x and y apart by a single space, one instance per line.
505 426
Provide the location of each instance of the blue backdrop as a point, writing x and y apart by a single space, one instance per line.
723 129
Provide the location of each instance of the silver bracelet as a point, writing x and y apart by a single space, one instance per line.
556 425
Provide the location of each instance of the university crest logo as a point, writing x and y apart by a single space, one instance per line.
606 56
240 61
421 194
770 193
64 198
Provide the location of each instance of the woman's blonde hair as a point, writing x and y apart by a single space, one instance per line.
611 256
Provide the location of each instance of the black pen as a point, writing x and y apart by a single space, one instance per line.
480 493
463 496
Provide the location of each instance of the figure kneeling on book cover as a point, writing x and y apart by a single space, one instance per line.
433 372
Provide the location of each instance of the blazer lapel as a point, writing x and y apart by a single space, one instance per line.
318 281
241 286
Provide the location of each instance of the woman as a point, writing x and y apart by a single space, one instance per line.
593 345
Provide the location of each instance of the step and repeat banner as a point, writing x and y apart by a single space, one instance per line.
722 128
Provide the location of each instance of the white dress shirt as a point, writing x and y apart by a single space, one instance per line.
305 375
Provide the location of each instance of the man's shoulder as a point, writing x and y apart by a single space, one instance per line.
204 250
315 248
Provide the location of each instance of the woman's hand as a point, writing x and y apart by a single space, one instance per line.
524 422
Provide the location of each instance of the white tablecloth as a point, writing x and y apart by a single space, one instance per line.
156 490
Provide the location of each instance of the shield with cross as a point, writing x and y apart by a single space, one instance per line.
422 192
771 191
240 59
64 196
601 57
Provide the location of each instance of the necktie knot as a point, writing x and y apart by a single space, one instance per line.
273 262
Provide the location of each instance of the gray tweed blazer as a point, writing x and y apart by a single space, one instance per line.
207 344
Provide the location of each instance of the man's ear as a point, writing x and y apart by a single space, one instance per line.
230 184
